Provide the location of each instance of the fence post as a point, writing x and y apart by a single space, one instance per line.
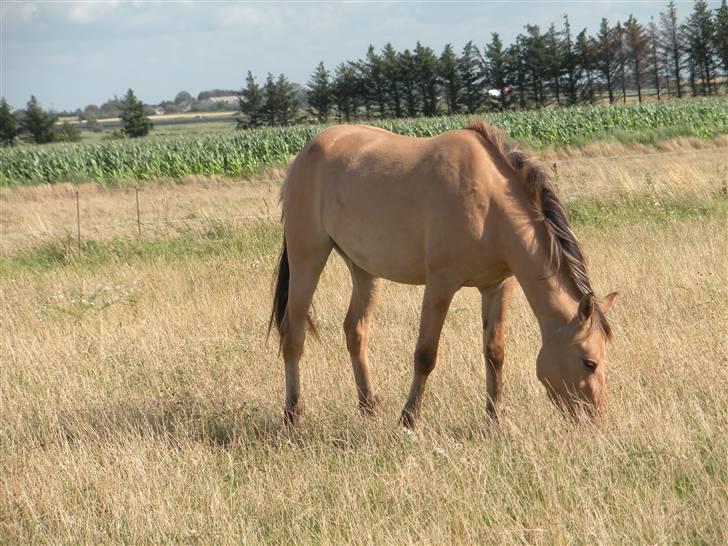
78 222
139 221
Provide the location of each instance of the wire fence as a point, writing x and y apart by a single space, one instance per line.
141 220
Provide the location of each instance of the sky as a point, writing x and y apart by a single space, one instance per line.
73 53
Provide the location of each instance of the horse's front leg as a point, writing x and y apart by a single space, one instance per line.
494 307
435 305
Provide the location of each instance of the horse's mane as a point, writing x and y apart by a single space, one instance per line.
564 249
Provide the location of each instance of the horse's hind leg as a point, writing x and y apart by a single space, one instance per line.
305 263
494 307
364 296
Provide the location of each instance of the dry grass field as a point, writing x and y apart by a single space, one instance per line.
141 403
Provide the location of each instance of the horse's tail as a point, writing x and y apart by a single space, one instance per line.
280 297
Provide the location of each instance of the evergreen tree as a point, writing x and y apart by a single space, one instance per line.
534 57
449 77
320 94
251 103
637 43
606 56
699 37
671 43
496 71
281 104
425 65
720 37
570 64
409 82
621 58
470 69
553 57
135 122
38 123
391 71
585 48
372 71
8 125
654 58
345 92
519 69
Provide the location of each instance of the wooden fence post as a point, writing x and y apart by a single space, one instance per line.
78 222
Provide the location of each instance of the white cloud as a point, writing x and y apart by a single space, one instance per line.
265 18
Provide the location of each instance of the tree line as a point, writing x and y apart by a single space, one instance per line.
38 126
664 58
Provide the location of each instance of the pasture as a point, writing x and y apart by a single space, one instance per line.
142 403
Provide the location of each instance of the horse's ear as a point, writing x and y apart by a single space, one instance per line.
586 307
606 302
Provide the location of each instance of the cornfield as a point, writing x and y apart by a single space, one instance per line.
241 153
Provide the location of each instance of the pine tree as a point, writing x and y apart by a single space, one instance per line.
391 71
621 58
470 69
554 59
8 125
409 82
637 43
671 43
38 123
345 90
251 103
449 77
135 122
699 37
570 64
320 94
496 71
281 105
721 37
372 71
425 65
654 59
537 67
585 48
605 55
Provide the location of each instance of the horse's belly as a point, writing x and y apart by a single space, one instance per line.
383 254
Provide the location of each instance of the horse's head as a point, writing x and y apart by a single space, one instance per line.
571 363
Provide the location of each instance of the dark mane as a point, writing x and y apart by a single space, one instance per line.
564 249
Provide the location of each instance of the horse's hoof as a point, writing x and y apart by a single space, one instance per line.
293 415
408 419
369 406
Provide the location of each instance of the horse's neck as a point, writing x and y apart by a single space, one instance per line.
553 297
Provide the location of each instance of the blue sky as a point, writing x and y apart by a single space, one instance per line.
73 53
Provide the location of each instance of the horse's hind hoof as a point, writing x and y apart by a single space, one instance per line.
292 416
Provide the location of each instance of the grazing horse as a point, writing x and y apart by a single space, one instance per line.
464 208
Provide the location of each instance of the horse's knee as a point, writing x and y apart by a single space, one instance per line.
425 361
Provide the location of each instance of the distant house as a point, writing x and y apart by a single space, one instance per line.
230 99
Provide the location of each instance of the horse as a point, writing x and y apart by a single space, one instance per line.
464 208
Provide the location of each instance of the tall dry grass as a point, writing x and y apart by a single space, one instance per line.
141 403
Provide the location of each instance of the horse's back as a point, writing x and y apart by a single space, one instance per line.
386 200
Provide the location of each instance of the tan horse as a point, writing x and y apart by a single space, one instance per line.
460 209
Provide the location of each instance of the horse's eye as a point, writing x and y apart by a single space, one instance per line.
590 364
